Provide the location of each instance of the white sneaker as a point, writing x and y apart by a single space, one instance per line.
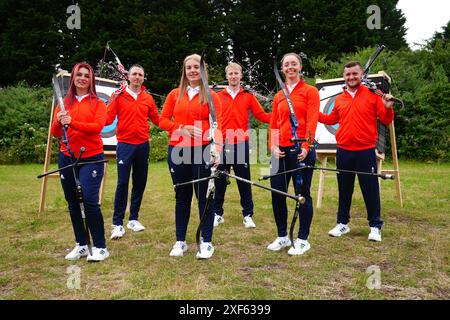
98 254
218 220
206 250
248 222
135 225
77 252
339 230
279 243
178 249
300 247
375 234
117 232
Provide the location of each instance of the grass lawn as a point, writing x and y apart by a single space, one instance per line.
413 257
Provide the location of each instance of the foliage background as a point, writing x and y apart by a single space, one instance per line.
159 34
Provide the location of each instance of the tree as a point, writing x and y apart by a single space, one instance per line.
159 33
421 79
440 38
262 30
30 40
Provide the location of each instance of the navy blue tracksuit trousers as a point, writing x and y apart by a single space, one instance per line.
90 177
238 157
186 164
130 157
365 161
281 183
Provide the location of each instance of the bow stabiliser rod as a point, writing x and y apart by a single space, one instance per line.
298 181
71 165
384 176
220 173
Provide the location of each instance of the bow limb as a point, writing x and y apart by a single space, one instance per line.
121 69
294 125
214 155
74 162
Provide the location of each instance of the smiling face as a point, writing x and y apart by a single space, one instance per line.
82 81
192 70
352 77
291 68
136 77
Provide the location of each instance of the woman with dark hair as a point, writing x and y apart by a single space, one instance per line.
185 115
85 116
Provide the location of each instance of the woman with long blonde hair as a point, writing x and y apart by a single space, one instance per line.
185 115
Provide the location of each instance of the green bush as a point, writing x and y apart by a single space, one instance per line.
420 78
158 145
425 125
24 119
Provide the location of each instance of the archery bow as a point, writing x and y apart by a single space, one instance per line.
214 156
372 86
248 72
370 62
219 173
298 181
120 68
75 162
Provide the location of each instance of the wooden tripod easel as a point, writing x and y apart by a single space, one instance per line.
323 155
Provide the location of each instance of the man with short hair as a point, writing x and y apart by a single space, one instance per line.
133 108
357 110
237 102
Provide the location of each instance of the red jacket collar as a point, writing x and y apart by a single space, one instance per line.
299 84
360 88
143 88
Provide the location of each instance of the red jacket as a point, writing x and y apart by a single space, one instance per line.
133 116
357 118
88 120
235 113
176 114
306 102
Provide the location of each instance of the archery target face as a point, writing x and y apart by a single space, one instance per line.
328 92
104 92
325 134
